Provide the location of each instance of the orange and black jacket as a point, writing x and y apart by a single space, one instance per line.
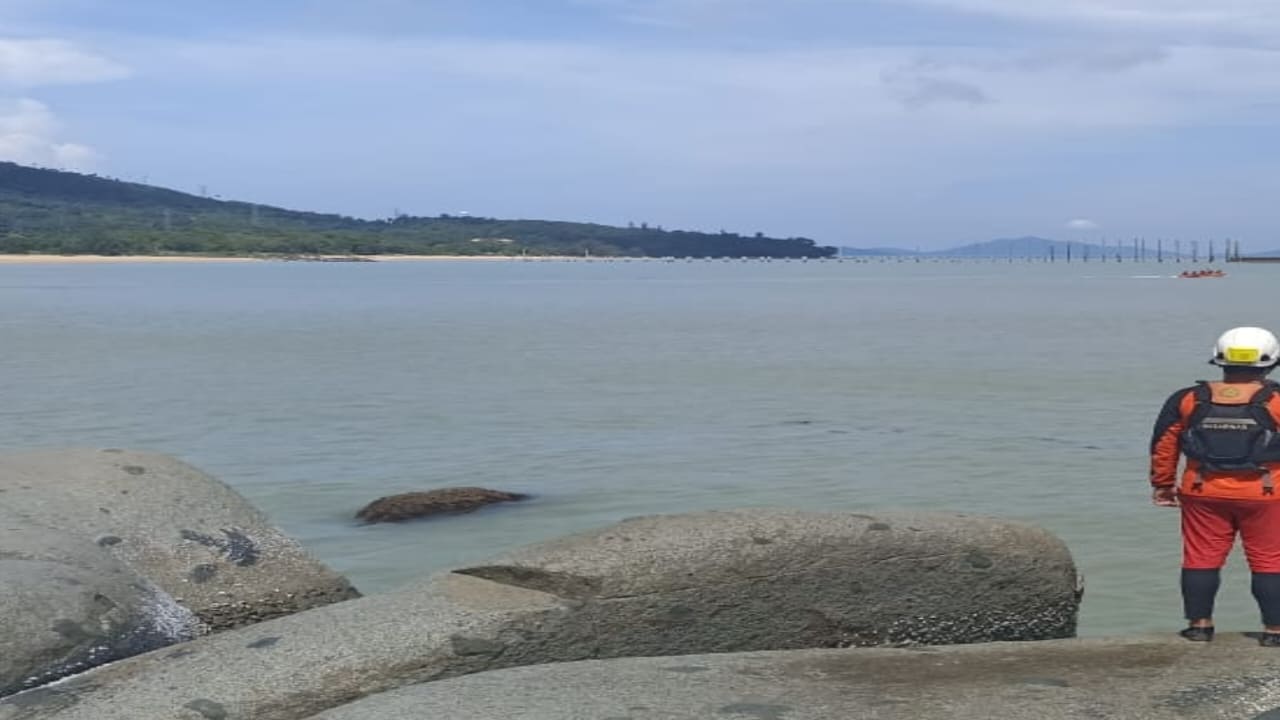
1166 449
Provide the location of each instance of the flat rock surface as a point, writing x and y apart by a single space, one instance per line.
181 529
1149 678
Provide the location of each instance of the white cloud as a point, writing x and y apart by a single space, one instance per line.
1120 86
35 62
29 135
1251 17
29 131
901 115
904 116
1248 17
1082 224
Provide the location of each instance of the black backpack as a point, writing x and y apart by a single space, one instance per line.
1232 437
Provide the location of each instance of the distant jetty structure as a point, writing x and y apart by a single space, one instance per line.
1043 250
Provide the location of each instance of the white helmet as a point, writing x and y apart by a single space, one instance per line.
1246 347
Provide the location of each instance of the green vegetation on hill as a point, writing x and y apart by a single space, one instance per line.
51 211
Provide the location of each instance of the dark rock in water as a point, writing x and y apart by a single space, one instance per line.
413 505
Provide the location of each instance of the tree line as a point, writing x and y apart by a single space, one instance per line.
50 211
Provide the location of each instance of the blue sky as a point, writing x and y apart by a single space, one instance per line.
857 122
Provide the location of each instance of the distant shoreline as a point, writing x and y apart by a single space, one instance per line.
33 259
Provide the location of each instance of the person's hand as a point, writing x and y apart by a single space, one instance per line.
1164 496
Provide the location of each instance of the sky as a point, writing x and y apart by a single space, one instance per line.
910 123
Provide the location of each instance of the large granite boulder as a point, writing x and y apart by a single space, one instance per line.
66 606
776 579
1146 678
186 532
707 582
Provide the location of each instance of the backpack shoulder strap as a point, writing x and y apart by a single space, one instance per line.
1260 402
1203 395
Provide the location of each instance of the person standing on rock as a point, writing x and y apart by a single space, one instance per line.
1227 432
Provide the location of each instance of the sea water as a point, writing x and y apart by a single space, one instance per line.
609 389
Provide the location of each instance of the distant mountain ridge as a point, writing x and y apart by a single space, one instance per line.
1038 247
62 212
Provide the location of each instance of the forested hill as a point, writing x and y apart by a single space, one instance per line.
62 212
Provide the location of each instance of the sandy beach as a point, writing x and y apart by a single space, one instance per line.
531 258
